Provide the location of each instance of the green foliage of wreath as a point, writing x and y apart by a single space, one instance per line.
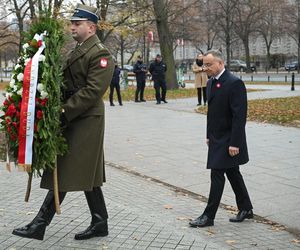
48 139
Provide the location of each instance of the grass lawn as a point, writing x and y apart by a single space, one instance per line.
281 111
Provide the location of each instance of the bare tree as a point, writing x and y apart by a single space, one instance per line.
292 21
270 24
165 41
225 21
246 13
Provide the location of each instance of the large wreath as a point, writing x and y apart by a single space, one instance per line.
44 41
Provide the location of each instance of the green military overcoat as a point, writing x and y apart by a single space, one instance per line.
87 73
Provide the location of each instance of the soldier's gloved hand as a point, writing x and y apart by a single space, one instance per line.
63 120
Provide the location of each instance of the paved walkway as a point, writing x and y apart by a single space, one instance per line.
157 181
167 142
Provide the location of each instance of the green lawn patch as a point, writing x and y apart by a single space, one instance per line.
281 111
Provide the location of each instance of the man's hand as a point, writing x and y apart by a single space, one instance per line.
233 151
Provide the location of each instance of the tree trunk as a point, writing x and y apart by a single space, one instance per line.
247 53
165 41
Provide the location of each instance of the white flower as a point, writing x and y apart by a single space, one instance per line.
15 88
42 58
44 94
12 82
40 87
20 91
20 77
7 95
25 46
17 66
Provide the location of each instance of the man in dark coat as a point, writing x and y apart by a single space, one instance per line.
87 73
115 84
158 71
140 71
226 139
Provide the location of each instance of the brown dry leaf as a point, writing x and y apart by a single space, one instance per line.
182 218
168 207
278 228
230 242
210 232
296 241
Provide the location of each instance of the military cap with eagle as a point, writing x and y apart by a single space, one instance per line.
85 13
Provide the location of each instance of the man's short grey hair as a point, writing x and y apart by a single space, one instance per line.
215 53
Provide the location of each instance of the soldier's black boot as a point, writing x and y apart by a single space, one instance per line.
36 228
98 226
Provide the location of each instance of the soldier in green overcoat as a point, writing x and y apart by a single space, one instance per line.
87 73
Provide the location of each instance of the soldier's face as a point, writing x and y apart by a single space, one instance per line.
82 30
212 65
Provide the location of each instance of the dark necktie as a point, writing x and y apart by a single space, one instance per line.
213 85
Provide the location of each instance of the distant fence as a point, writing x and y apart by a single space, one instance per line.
259 77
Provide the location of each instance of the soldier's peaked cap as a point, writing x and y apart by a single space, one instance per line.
85 13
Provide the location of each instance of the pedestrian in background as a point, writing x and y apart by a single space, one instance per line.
140 71
87 73
158 71
226 139
115 84
200 79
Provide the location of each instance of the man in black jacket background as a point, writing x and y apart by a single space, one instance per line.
158 71
140 71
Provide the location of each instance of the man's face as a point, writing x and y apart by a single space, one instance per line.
82 30
212 65
158 58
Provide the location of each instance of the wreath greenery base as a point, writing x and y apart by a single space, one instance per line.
48 141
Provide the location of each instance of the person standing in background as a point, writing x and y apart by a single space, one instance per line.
158 71
200 79
115 84
140 71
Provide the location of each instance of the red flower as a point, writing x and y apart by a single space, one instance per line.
8 120
13 137
39 114
43 102
6 103
39 43
11 110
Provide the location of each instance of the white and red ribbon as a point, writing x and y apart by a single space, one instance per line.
27 113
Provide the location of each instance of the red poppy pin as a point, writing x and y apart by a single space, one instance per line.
218 85
103 62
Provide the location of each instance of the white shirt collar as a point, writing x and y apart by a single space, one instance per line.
219 75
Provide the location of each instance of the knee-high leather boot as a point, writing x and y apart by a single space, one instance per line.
98 226
36 228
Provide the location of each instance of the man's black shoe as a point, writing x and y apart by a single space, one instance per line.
112 104
157 102
202 221
242 215
164 101
137 101
94 230
143 100
34 230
